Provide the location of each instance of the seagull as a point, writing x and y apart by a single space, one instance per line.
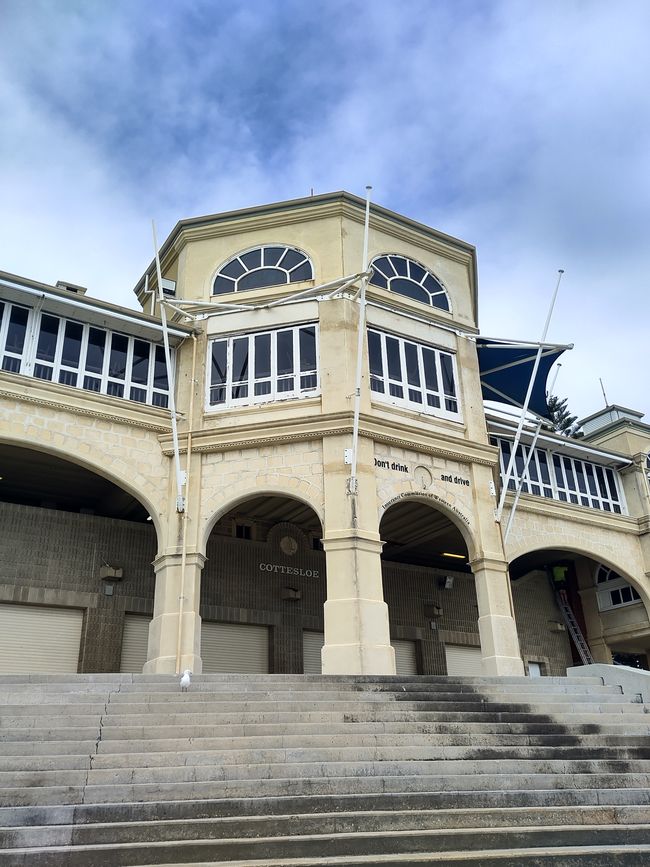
186 680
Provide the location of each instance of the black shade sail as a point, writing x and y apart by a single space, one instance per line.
506 367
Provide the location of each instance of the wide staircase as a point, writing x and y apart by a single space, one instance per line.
274 770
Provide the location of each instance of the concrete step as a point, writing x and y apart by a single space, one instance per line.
255 752
576 856
331 845
307 804
317 823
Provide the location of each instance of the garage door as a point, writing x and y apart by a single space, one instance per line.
233 647
312 643
134 643
463 660
36 638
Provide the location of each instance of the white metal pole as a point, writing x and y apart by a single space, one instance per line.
524 409
353 482
531 452
180 499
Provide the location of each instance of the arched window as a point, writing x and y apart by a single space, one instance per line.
270 265
616 590
406 277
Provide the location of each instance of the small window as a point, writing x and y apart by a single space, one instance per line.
271 265
406 277
614 591
243 531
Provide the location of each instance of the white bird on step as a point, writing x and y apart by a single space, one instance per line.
186 679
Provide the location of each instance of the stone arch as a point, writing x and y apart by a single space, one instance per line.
269 486
452 513
99 469
590 552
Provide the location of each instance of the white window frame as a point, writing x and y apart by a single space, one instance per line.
274 394
608 583
262 267
563 492
28 359
388 381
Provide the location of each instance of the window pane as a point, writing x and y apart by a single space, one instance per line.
240 361
117 361
140 366
307 338
95 355
262 357
448 384
272 255
285 353
404 286
261 278
218 362
400 265
43 371
374 354
412 366
378 279
543 467
251 260
430 373
591 481
47 336
394 363
160 373
302 272
72 344
292 258
17 329
233 269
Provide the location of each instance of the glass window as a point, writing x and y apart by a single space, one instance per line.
95 353
72 344
272 265
572 481
140 363
406 277
117 361
15 341
47 338
265 366
414 373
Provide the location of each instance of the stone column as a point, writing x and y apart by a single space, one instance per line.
496 621
357 634
163 631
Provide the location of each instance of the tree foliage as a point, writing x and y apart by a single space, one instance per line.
561 418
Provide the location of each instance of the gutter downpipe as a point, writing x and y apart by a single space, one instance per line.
353 484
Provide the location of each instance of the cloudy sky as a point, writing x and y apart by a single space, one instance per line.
520 126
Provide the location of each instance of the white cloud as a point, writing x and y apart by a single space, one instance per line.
518 126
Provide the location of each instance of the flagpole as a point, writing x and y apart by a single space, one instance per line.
524 409
531 452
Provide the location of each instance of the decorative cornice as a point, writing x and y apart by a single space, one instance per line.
89 411
315 427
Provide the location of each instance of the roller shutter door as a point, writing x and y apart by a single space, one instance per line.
37 639
405 657
312 644
134 643
234 647
463 661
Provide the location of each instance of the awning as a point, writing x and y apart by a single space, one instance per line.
506 366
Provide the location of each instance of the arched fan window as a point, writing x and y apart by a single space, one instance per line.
406 277
270 265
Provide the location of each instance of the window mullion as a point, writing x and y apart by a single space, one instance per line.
31 340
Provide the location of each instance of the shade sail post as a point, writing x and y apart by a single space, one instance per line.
524 408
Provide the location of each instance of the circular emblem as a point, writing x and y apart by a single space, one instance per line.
423 477
288 545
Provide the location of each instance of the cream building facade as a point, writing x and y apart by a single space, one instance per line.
279 557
